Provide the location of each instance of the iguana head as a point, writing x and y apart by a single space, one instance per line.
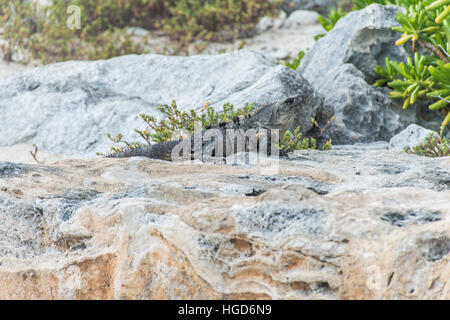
292 112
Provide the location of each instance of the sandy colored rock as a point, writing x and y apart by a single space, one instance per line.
358 222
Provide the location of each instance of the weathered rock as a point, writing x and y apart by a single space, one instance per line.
264 24
278 22
275 53
69 108
339 224
340 66
363 113
138 32
411 137
362 38
300 18
43 3
267 23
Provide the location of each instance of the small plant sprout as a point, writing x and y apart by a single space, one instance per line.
330 21
296 61
433 147
293 140
34 153
322 130
118 140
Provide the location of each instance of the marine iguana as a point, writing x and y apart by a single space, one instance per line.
283 115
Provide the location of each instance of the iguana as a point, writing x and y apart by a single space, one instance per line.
283 115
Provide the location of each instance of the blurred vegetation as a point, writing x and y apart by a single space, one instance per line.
433 147
291 141
295 63
38 32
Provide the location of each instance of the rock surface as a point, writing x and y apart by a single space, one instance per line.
340 66
411 137
299 18
338 224
362 38
267 23
39 106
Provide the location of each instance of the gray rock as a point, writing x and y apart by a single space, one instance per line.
281 54
362 38
9 170
43 3
69 108
138 32
363 113
340 67
300 18
377 145
267 23
411 137
278 22
275 53
434 246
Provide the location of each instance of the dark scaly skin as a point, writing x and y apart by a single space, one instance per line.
282 115
161 151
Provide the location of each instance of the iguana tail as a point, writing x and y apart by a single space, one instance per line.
161 151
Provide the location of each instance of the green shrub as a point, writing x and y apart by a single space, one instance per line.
294 141
296 61
427 77
174 120
215 19
181 19
433 147
41 33
330 21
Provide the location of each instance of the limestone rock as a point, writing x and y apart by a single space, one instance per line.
275 53
267 23
362 38
339 224
300 18
340 67
138 32
69 108
363 113
278 22
411 137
